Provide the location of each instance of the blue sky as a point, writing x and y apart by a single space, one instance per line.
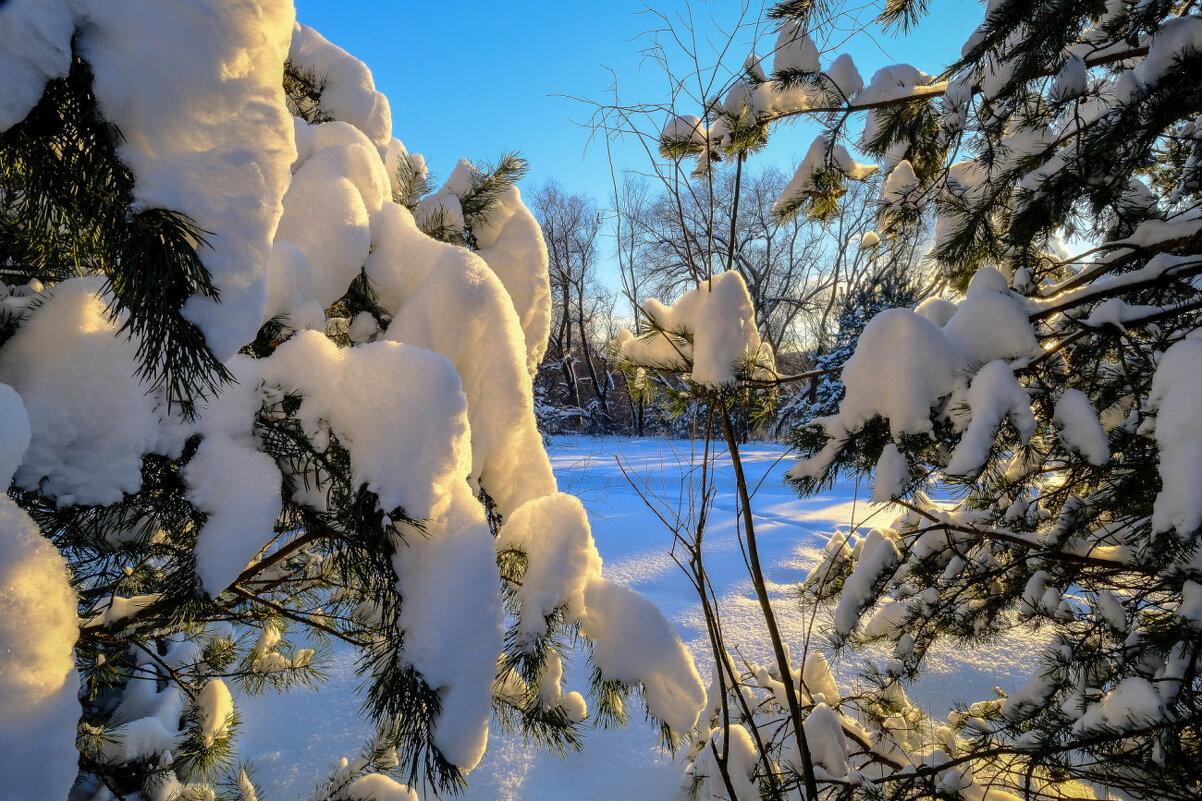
474 78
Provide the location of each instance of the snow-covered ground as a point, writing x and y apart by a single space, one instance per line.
293 744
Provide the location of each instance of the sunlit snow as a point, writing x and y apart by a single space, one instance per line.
292 755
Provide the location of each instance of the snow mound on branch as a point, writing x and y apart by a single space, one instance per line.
324 236
937 310
822 155
38 682
719 319
633 643
37 48
994 396
903 364
1134 703
892 475
876 555
795 50
377 787
685 128
828 745
1176 387
1173 39
906 365
511 243
484 341
554 533
227 171
238 488
382 400
891 83
636 645
845 76
451 618
733 743
91 423
216 708
900 183
1080 429
990 323
348 90
15 434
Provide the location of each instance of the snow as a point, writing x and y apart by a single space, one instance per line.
381 400
937 310
635 644
902 366
238 488
1174 39
554 533
38 631
900 183
139 739
991 323
511 243
376 787
483 339
215 706
876 557
447 576
15 434
822 155
843 74
718 317
1027 699
324 235
290 756
1080 429
894 82
828 746
739 750
349 91
795 50
228 172
1133 704
993 396
891 476
91 423
687 127
1115 312
37 49
1176 387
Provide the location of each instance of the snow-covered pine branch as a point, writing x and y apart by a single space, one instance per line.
252 407
1055 396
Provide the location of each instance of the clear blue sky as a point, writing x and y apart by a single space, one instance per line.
473 78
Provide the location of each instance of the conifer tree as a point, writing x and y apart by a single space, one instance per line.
1038 426
890 289
223 460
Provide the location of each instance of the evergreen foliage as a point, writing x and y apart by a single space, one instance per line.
66 209
889 289
1056 162
165 639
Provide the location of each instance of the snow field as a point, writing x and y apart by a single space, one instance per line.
636 549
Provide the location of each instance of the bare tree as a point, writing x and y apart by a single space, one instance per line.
582 309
